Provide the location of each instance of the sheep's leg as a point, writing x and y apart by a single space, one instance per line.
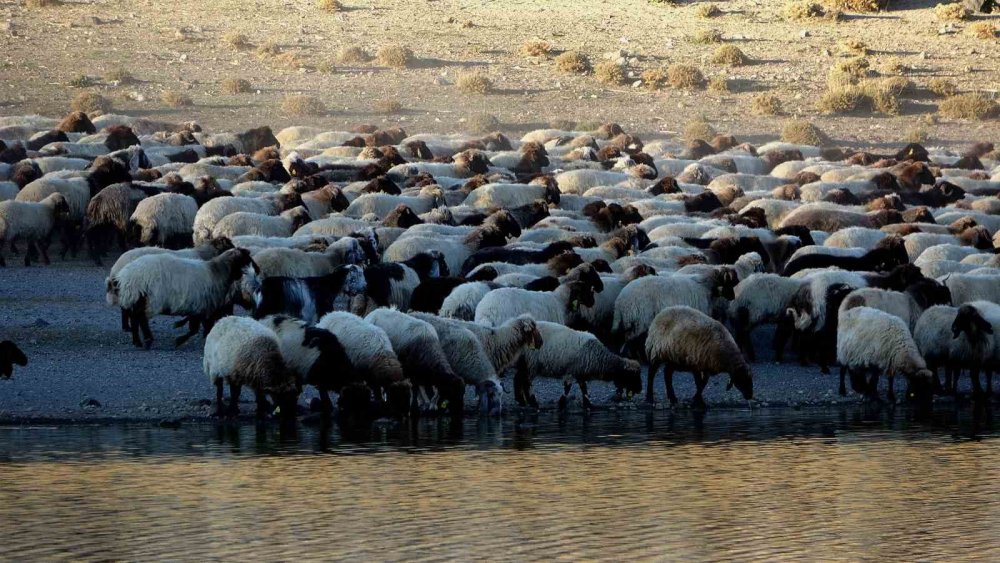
13 247
891 393
520 378
125 323
143 320
977 388
134 326
989 383
587 405
782 333
650 376
193 325
326 405
564 400
220 411
234 399
700 380
873 386
43 246
843 388
668 381
262 406
28 253
3 262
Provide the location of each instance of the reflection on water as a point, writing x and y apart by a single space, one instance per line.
837 484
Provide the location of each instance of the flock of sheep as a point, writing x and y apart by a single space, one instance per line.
396 270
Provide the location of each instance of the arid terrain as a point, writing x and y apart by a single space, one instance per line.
186 47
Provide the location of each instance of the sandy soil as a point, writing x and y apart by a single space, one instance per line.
178 45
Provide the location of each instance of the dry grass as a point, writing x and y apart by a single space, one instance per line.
81 81
387 106
874 95
289 59
536 48
482 123
861 6
42 3
765 104
302 106
654 78
852 47
707 36
855 69
233 86
699 129
474 83
610 73
563 124
175 99
719 84
707 11
268 49
806 10
916 134
325 67
983 30
685 76
573 61
237 41
973 105
394 56
802 132
352 54
893 65
898 84
951 12
89 102
730 55
841 99
118 74
329 6
942 87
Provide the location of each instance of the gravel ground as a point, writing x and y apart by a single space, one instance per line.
82 367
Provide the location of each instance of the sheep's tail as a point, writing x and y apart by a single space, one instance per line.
111 295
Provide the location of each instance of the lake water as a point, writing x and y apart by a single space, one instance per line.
842 484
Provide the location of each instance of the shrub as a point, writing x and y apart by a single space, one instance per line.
175 99
729 55
289 59
474 83
329 6
806 10
563 124
983 30
654 78
916 134
118 74
238 41
840 99
698 129
718 84
765 104
352 54
268 49
893 65
609 72
82 81
856 68
942 87
708 11
973 105
861 6
572 61
853 47
395 56
387 106
951 12
536 48
707 36
482 123
802 132
301 105
877 95
235 86
325 67
42 3
684 76
897 84
89 102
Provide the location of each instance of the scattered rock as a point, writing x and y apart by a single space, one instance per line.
90 403
39 323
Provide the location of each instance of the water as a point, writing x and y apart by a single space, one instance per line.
824 484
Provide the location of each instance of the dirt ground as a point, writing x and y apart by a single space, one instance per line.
178 45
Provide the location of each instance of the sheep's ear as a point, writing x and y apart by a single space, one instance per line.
256 268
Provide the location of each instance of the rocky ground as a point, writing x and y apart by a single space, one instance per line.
82 367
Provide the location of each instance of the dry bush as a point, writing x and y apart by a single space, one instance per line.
325 67
684 76
118 74
806 10
916 134
841 99
268 49
238 41
874 95
899 85
482 123
802 132
329 6
719 84
289 59
942 87
563 124
973 105
663 2
395 56
883 97
951 12
707 36
609 72
302 106
765 104
856 68
729 55
699 129
474 82
852 47
983 30
234 86
861 6
893 65
387 106
175 99
81 81
536 48
42 3
654 78
573 61
352 54
89 102
708 11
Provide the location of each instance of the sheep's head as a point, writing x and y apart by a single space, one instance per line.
402 217
490 397
120 137
970 322
638 271
627 377
581 294
609 131
354 280
977 237
418 149
60 207
496 142
381 184
505 221
527 331
474 161
483 272
588 274
298 216
913 151
742 379
10 355
254 139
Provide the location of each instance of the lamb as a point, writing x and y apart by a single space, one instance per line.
260 224
10 356
213 211
682 338
501 305
855 237
164 220
307 298
869 340
295 263
315 356
979 324
569 355
762 299
424 362
466 164
33 222
241 351
166 284
370 352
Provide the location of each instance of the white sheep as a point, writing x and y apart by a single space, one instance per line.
966 288
503 304
32 222
295 263
381 204
260 224
461 303
213 211
762 299
165 220
855 237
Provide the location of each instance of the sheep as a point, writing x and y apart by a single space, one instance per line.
506 303
830 218
598 318
882 258
908 305
167 284
468 358
966 288
382 204
370 352
463 300
108 214
241 351
762 299
393 284
513 195
213 211
259 224
315 356
307 298
424 362
855 237
869 340
493 232
682 338
570 355
10 356
164 220
954 343
979 323
295 263
33 222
